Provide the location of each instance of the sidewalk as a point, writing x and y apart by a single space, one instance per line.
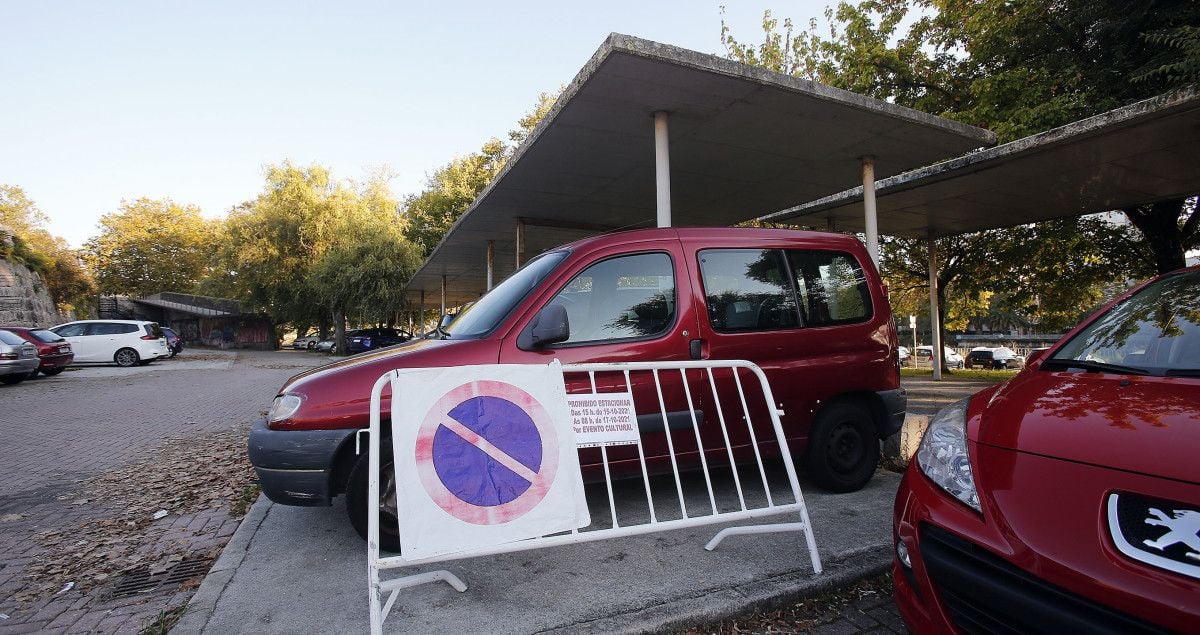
292 569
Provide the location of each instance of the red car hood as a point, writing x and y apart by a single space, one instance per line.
1147 425
338 395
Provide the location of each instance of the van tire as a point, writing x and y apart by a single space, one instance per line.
126 358
843 448
356 498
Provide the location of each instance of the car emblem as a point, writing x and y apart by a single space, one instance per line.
1156 531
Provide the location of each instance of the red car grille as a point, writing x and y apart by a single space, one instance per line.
985 594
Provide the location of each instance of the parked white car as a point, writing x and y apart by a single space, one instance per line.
125 342
307 342
922 355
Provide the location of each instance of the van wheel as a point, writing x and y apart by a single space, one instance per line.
13 379
126 357
843 448
356 498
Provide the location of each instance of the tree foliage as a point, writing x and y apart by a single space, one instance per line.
1016 67
149 246
310 249
68 282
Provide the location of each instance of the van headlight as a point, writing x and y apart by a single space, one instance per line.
943 456
283 408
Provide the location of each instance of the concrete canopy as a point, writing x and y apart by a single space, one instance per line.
1141 153
743 140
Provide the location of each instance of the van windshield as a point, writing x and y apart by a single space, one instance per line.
486 314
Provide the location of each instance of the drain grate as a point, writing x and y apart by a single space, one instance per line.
141 581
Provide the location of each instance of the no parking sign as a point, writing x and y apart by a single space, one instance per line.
484 455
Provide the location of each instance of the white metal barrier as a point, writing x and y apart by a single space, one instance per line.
745 509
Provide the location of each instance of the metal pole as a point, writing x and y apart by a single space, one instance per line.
872 223
935 324
443 300
421 320
662 168
520 241
491 255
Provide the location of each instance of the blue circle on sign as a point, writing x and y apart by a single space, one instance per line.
477 473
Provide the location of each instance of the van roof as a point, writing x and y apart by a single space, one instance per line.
732 234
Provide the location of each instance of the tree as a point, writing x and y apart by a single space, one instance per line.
149 246
68 282
1017 67
364 276
313 250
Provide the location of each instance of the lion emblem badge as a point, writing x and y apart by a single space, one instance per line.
1136 523
1183 526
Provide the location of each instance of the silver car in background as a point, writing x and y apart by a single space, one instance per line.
18 358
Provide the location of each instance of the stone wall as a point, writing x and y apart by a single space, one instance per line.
24 300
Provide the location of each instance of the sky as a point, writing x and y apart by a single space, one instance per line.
101 102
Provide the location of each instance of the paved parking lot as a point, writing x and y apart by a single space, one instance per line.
61 431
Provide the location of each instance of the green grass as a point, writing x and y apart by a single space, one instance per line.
972 373
164 622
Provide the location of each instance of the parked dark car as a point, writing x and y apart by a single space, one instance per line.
54 353
371 339
1066 500
809 308
18 358
174 342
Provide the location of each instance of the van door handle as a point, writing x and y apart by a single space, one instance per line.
696 349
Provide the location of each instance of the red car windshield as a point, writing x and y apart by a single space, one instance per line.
1156 331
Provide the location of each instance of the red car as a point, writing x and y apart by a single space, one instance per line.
1066 500
53 351
808 308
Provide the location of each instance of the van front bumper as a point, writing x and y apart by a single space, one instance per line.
295 466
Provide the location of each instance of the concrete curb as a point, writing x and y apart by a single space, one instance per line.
770 593
204 602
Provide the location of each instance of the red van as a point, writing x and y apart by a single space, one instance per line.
808 308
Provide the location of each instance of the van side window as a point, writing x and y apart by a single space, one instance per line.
72 330
747 290
108 328
620 298
831 286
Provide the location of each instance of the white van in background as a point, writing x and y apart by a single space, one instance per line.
124 342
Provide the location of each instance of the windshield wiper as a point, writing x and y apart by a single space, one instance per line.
1183 372
1095 367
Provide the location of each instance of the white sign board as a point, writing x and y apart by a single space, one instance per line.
484 455
604 419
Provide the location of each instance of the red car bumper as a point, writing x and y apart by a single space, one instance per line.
51 362
1039 559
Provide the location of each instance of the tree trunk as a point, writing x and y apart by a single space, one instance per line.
339 330
1159 224
323 328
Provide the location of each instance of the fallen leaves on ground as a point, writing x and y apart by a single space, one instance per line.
183 476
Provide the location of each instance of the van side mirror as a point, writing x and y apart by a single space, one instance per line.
549 326
445 321
1035 355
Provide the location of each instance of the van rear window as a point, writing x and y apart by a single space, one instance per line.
831 286
770 289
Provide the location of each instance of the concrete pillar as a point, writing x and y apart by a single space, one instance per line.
443 299
491 256
935 325
871 221
520 242
662 169
421 319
